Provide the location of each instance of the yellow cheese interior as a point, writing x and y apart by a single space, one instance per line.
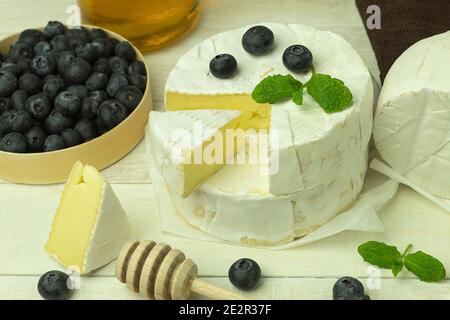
261 112
254 116
76 216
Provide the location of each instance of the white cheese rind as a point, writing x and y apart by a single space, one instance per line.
412 120
110 233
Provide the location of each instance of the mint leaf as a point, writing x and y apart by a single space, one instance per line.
297 97
382 255
330 93
425 267
277 88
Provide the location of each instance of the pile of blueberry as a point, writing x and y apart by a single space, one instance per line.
259 40
62 87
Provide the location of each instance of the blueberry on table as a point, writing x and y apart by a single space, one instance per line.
97 81
54 285
8 83
348 288
71 137
111 113
38 106
56 122
13 142
53 143
35 138
53 85
20 51
258 40
54 28
223 66
43 65
76 71
31 37
125 50
244 274
137 67
31 83
67 103
87 129
116 82
298 59
129 97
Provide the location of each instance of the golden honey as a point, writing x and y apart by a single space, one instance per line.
149 24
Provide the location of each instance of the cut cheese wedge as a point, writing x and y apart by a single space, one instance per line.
189 146
90 226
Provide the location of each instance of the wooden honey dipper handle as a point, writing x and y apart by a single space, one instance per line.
216 293
159 272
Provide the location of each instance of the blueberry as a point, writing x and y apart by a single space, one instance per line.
102 47
97 81
20 121
89 107
13 142
5 104
20 51
5 121
53 85
129 97
56 122
348 288
125 50
87 52
137 67
96 33
102 66
79 90
77 71
71 138
31 37
13 68
223 66
116 82
18 99
43 65
42 48
138 80
8 83
53 143
99 96
111 113
39 106
87 129
35 138
258 40
76 38
54 28
31 83
244 274
63 60
59 43
118 64
111 44
297 58
68 103
24 65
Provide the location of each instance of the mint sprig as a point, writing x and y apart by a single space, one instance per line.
424 266
278 88
330 93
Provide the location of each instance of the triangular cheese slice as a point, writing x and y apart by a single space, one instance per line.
90 226
184 144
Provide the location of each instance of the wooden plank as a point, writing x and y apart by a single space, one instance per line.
28 210
108 288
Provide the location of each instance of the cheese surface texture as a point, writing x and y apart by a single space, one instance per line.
412 121
90 225
322 158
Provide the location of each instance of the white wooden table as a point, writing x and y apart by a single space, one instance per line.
308 272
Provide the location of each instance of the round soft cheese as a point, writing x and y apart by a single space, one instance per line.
412 121
322 157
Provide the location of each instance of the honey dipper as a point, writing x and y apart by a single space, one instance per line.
159 272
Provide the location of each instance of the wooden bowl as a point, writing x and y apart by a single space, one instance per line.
54 167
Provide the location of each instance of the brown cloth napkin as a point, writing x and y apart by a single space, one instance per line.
403 23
